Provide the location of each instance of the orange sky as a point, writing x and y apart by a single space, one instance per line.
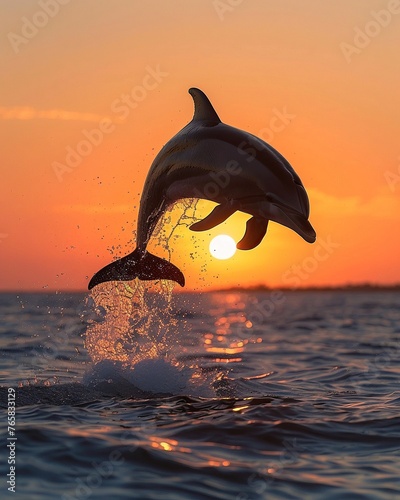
253 60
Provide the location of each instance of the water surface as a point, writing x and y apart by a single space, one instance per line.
203 396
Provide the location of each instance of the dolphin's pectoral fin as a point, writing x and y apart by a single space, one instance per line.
218 215
135 265
256 227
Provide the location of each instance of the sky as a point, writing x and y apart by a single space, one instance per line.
317 80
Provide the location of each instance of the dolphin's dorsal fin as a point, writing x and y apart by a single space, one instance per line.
203 109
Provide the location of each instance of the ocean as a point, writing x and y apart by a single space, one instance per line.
136 393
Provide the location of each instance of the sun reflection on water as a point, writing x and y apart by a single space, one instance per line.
232 332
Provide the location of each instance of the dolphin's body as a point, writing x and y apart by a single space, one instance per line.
210 160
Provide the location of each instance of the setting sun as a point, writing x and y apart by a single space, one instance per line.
222 247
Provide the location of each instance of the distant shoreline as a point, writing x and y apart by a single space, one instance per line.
362 287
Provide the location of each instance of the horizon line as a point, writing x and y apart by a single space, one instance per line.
367 286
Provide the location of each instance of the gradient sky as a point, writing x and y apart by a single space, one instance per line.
255 60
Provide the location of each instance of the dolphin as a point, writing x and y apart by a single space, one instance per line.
210 160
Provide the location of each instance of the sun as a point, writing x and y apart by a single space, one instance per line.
222 247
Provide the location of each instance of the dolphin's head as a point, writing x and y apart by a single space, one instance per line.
291 217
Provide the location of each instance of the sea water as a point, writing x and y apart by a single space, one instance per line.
142 393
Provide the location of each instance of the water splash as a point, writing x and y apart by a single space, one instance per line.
135 318
136 322
136 330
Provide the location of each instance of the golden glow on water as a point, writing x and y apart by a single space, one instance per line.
224 350
232 332
228 360
240 408
218 463
166 446
169 445
173 446
100 431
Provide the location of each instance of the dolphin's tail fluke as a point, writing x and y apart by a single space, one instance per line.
144 266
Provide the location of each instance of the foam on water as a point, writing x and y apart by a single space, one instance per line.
157 376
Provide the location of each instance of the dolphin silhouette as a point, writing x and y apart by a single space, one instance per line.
210 160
